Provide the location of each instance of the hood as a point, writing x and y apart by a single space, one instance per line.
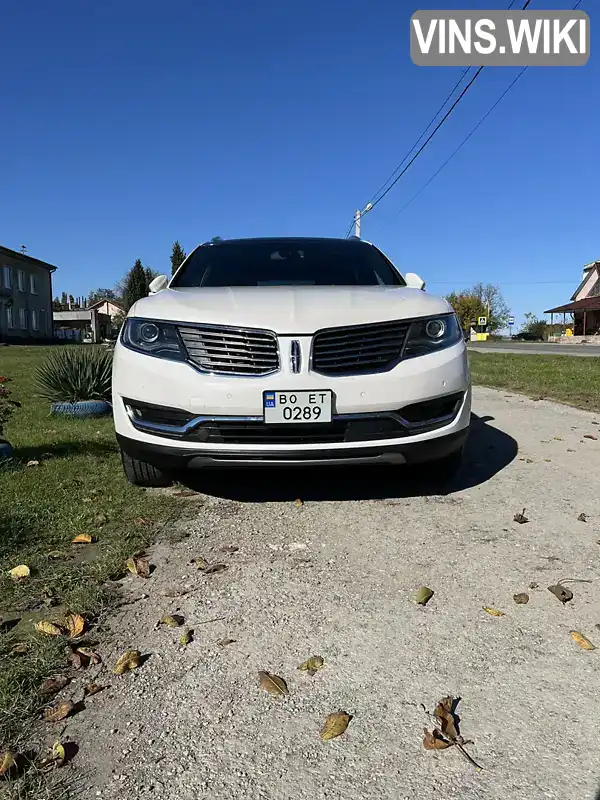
289 309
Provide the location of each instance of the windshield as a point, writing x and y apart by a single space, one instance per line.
288 262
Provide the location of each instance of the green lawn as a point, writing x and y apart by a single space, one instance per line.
567 379
78 487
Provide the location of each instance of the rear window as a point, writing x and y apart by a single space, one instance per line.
290 262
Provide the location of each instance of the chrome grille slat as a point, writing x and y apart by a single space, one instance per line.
231 351
359 349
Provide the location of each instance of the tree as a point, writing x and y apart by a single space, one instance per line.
150 274
216 239
177 257
480 301
57 305
64 301
533 328
135 285
101 294
467 307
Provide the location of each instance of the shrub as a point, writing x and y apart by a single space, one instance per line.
7 406
76 373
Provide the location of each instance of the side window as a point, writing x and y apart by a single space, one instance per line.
7 277
23 317
9 317
34 320
21 280
32 286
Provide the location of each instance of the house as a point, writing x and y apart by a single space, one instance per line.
25 297
110 307
584 305
82 325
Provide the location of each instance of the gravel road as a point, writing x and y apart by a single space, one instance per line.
334 577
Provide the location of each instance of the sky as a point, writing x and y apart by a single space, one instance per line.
127 125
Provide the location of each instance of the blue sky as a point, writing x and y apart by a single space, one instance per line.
127 125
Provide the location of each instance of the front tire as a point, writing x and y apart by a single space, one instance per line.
141 473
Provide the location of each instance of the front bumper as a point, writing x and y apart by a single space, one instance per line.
231 401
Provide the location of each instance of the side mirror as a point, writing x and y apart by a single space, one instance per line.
413 281
158 284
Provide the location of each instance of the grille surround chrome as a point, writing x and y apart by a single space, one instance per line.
230 351
370 366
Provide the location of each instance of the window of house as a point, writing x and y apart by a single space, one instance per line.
9 317
23 317
32 286
7 277
34 320
21 280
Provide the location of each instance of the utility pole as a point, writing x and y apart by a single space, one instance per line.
357 218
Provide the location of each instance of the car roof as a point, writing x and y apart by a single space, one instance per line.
284 239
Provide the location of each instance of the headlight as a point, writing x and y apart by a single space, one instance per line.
432 334
158 339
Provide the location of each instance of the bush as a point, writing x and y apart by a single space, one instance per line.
76 373
7 406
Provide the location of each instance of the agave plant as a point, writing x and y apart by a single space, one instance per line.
76 373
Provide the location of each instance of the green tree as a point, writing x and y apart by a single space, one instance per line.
57 305
102 294
64 301
177 257
135 285
533 327
467 307
150 274
216 239
482 300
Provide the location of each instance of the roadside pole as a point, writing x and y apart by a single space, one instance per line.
511 322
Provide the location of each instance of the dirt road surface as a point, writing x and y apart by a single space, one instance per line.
335 577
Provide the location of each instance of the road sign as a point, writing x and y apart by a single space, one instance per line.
511 320
482 321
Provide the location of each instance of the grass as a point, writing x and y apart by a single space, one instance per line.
567 379
78 487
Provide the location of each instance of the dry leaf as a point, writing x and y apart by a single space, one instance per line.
19 649
433 740
272 684
225 642
312 665
582 517
49 628
229 548
299 503
521 599
200 563
186 638
493 612
335 725
7 762
130 660
582 640
61 711
444 713
84 538
423 595
75 625
172 620
89 654
20 573
214 568
561 592
139 566
92 688
521 518
590 436
53 685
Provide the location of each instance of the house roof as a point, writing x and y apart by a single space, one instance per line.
6 251
587 304
106 300
594 265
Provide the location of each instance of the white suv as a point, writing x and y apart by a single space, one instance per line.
288 352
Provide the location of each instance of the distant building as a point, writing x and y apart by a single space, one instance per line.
82 325
584 304
113 308
25 297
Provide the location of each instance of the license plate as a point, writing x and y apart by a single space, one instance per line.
297 407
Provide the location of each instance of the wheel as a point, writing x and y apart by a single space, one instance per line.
140 473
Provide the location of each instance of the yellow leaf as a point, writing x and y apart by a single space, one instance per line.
130 660
138 566
20 573
84 538
312 665
7 762
582 640
299 503
58 751
272 684
61 711
172 621
75 625
423 595
186 637
493 612
335 725
49 628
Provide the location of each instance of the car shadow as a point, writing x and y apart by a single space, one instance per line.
488 451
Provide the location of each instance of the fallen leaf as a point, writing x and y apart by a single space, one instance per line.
521 518
433 740
130 660
559 438
582 517
20 573
200 563
172 621
493 612
56 555
229 548
272 684
7 762
335 725
84 538
561 592
312 665
590 436
53 685
299 503
75 625
139 566
186 638
49 628
443 712
225 642
19 649
89 655
214 568
92 688
58 753
521 599
423 595
582 640
61 711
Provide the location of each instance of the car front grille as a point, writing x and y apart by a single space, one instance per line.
359 349
231 351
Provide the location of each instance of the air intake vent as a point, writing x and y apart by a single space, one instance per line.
231 351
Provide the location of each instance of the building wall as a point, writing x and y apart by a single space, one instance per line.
25 299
